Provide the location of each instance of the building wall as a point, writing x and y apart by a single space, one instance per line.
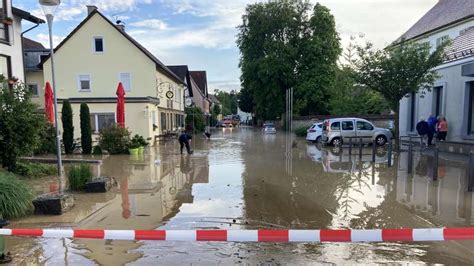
14 48
453 103
37 78
452 31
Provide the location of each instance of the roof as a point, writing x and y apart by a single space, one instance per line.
159 64
26 16
182 72
461 47
29 44
443 14
200 78
214 99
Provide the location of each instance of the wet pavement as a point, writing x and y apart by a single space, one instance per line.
243 179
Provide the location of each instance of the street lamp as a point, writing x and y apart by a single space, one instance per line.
49 8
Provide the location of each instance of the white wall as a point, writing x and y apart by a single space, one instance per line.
14 48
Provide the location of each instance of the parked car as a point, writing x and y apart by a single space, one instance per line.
269 129
227 123
337 131
220 124
314 132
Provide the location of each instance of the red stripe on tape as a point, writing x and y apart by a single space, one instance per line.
397 234
458 233
27 232
89 233
211 235
150 234
335 235
273 235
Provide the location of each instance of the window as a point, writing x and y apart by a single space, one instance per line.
33 88
347 125
361 125
470 124
163 121
336 126
3 27
126 80
5 66
437 100
84 83
441 40
101 121
98 44
320 125
43 57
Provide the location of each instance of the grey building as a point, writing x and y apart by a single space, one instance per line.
452 95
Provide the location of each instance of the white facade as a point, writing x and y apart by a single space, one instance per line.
11 61
452 94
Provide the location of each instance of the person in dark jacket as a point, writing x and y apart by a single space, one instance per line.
422 128
432 122
184 140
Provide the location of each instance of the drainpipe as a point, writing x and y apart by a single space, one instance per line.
23 51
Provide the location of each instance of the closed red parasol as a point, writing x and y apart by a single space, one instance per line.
120 106
48 103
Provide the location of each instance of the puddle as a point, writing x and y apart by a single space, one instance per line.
243 179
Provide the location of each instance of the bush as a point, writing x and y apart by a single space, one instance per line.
97 150
78 176
15 197
114 139
30 170
86 131
301 131
68 128
47 143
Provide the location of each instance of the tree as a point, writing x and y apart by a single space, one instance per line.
245 100
195 119
68 128
228 101
287 44
20 124
86 131
398 70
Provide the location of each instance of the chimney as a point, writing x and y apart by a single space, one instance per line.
91 9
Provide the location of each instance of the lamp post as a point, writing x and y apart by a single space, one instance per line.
49 8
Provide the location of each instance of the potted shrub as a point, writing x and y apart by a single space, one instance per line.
133 147
7 21
141 142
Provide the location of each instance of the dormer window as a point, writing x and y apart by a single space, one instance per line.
98 44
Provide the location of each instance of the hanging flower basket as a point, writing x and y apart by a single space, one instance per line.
12 80
7 21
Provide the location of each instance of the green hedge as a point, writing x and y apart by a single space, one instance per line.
31 170
15 197
301 131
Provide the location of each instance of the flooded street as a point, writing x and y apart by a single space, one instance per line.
242 179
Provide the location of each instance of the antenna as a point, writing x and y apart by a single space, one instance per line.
116 17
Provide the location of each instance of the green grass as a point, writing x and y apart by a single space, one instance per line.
78 176
34 170
15 197
301 131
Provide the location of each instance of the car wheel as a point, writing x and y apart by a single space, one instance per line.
318 140
380 140
336 142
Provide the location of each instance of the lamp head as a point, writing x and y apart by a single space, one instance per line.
49 6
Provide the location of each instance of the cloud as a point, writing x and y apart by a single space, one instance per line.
44 39
155 24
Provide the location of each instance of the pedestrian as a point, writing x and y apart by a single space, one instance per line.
422 128
442 129
185 140
432 122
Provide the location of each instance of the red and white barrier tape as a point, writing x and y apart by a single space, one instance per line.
372 235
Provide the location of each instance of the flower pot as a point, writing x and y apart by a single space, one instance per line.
133 151
141 150
7 22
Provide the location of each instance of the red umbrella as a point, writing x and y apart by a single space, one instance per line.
48 102
120 105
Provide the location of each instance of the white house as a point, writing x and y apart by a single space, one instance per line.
11 55
452 95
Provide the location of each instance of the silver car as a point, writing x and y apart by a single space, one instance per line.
337 131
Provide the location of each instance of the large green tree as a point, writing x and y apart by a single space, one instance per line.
228 101
287 44
68 128
20 124
396 71
86 131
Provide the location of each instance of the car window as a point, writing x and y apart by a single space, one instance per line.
312 126
320 125
336 126
347 125
361 125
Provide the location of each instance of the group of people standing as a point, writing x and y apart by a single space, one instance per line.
427 129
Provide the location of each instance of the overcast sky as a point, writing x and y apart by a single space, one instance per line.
201 33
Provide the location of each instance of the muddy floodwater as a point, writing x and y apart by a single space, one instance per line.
243 179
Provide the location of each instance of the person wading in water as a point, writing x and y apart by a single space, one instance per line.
184 140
